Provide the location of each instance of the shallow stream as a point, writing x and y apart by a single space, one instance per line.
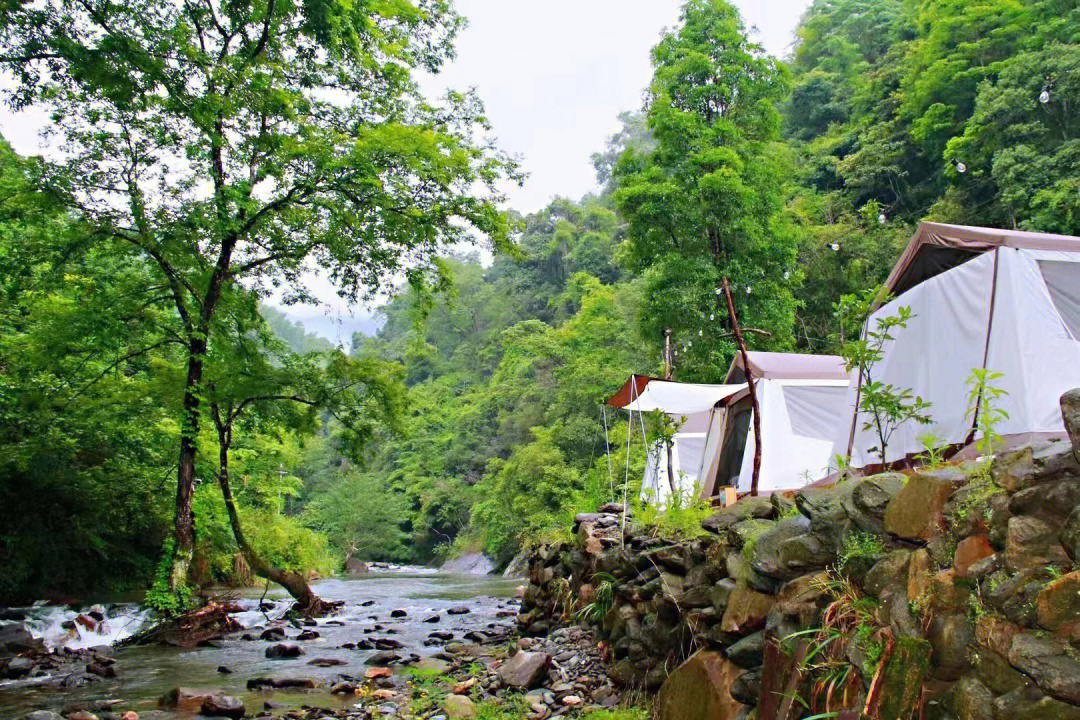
146 673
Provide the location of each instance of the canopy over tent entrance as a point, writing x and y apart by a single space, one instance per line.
693 407
981 298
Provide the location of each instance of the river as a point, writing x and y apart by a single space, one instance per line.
146 673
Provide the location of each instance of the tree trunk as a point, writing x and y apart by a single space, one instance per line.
307 602
185 472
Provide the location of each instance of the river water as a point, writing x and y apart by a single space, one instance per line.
146 673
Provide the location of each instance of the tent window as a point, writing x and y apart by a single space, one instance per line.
1063 281
811 409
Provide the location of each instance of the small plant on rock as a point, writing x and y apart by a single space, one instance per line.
885 406
860 547
983 399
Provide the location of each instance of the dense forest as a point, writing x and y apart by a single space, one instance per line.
473 420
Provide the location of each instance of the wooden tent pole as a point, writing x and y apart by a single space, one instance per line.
668 369
749 383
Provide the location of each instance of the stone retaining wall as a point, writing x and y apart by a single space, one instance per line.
946 594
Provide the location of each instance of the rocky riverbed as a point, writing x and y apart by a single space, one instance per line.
406 644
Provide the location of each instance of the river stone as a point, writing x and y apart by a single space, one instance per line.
1070 413
916 512
969 551
748 652
746 610
1070 534
1027 702
996 673
746 687
699 690
16 639
43 715
459 707
949 636
525 670
770 559
185 698
970 700
284 651
890 572
1050 501
1032 542
1014 594
1033 463
222 706
1058 605
745 509
469 564
1047 662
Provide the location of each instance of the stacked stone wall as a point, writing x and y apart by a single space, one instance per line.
949 593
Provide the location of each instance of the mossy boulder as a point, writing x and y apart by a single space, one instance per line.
699 689
917 511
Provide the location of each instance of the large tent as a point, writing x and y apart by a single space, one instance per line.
801 399
1001 300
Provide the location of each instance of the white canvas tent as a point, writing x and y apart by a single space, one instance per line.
801 399
1002 300
692 405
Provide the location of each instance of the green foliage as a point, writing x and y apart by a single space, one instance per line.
860 548
703 200
934 448
679 518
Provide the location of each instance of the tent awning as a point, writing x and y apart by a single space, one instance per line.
937 247
630 390
676 398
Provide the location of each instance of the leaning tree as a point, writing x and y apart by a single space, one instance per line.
244 143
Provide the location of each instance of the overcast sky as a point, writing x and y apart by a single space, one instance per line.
554 76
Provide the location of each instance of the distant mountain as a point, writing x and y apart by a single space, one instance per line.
336 328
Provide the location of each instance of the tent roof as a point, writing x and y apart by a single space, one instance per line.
937 247
788 366
645 394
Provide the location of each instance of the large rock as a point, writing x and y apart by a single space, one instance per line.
1047 661
950 635
1070 413
902 675
969 699
1013 595
186 699
746 610
870 499
700 689
1028 703
355 566
15 639
745 509
223 706
1050 501
1058 605
1034 463
469 564
459 707
969 551
917 511
1032 542
1070 534
748 652
786 550
525 670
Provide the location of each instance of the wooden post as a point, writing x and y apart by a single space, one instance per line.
668 365
749 383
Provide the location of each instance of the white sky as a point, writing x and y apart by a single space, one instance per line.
553 75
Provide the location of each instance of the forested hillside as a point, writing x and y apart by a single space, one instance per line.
474 419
